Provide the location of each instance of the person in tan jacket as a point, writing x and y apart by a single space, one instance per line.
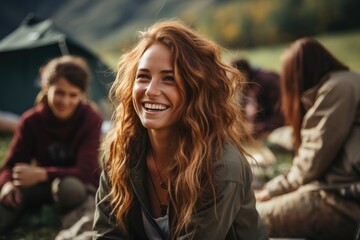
318 198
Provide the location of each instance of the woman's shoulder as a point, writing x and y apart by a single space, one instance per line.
342 79
90 112
233 166
345 74
343 85
32 115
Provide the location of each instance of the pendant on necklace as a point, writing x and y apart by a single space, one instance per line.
163 208
163 185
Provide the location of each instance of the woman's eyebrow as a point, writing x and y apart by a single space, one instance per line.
162 71
167 71
143 70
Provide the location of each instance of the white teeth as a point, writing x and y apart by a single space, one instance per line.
155 106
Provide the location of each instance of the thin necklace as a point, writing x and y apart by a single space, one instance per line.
163 206
162 183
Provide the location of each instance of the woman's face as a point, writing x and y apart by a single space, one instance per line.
63 98
156 96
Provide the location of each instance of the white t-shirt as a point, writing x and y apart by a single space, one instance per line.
162 222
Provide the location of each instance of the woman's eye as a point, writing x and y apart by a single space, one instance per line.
142 76
74 95
59 93
169 78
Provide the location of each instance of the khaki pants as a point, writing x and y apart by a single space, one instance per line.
309 214
65 194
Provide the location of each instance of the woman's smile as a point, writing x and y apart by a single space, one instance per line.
155 107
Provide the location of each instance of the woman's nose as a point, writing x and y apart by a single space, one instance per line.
66 100
153 88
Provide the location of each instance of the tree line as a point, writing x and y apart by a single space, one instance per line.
247 23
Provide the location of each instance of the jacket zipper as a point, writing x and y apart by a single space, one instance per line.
148 215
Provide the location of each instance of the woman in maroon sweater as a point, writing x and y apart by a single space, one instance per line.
54 154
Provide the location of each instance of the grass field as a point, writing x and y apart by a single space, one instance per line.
4 145
345 46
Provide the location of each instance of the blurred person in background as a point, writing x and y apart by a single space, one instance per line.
53 157
262 100
174 162
319 197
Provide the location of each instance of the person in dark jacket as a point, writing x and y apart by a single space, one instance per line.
53 157
174 166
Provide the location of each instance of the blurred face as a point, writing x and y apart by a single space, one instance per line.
63 98
156 97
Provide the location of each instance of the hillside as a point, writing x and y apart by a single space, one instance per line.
109 26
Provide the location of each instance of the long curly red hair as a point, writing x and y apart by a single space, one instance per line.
210 117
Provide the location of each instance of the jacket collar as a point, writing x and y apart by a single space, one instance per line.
308 98
138 179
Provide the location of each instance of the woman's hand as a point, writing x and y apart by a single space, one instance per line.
26 175
10 195
262 195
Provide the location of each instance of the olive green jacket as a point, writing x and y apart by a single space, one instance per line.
236 216
329 156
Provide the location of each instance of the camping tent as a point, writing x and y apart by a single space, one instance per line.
29 47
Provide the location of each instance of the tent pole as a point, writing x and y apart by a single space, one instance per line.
63 47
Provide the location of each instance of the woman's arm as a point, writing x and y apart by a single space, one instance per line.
104 226
20 150
233 213
325 128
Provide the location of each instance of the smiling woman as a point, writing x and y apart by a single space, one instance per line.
53 158
174 166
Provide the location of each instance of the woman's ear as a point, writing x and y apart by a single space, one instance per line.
83 98
40 96
45 90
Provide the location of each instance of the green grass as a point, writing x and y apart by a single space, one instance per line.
345 46
36 224
5 141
